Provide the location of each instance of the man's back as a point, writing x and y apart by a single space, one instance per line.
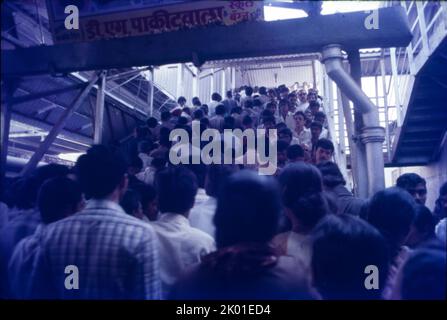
115 254
181 246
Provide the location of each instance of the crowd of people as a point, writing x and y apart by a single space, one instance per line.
125 223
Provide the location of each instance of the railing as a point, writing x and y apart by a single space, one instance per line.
428 23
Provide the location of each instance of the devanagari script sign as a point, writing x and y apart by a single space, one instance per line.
116 19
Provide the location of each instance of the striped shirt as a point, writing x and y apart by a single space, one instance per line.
116 256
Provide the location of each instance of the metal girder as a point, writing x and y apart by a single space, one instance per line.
38 95
284 37
52 135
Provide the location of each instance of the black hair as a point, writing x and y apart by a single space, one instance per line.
281 125
28 187
220 109
182 121
131 201
165 116
269 119
283 102
332 175
343 246
229 122
325 144
237 110
424 276
257 103
198 114
196 101
56 197
247 198
100 171
177 187
152 122
295 151
147 194
181 99
409 181
248 91
282 146
216 97
314 104
319 114
317 124
285 131
216 176
263 90
229 94
301 113
392 211
248 104
302 193
247 120
425 221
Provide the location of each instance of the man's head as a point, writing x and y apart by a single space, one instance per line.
216 97
131 204
248 91
292 98
181 101
263 91
216 176
149 201
285 134
220 110
245 198
269 123
247 122
198 114
59 198
177 187
152 122
332 175
102 173
312 97
229 94
343 247
415 185
271 106
392 212
324 150
295 153
300 119
320 117
315 129
302 95
282 152
196 102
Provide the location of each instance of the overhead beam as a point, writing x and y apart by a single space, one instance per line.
284 37
38 95
52 135
99 111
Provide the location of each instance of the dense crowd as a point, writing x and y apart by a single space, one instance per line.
134 226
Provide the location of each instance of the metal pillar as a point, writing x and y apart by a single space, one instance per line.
150 93
222 83
385 102
179 80
99 111
372 135
233 78
341 135
211 83
44 146
195 80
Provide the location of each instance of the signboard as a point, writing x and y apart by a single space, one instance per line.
108 19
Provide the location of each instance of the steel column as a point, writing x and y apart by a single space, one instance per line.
44 146
99 110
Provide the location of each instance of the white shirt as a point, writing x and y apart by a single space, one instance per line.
212 108
180 246
304 137
202 214
302 106
288 120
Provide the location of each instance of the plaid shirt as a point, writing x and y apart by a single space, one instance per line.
115 253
